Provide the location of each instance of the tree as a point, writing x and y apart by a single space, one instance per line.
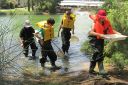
117 50
28 3
32 3
117 13
44 5
8 4
3 4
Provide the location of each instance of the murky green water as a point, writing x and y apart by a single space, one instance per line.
74 62
16 22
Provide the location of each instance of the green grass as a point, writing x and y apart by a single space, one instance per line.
18 11
16 22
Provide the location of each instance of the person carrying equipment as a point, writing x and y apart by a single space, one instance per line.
101 26
47 33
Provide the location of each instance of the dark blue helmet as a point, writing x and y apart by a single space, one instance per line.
51 21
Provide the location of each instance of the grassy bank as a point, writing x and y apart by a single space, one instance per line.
18 11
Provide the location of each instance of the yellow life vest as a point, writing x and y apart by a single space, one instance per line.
68 23
41 24
48 33
48 30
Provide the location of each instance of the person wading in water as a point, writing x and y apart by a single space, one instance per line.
101 26
67 24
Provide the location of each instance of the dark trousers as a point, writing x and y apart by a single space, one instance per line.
65 36
26 45
47 50
98 54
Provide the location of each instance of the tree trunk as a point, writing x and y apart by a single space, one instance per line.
19 2
28 5
32 4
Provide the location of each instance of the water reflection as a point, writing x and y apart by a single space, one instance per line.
66 63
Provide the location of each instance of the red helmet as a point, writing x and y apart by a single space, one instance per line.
101 13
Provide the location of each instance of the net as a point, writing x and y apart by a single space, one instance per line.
74 39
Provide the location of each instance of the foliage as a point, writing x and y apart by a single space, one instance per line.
18 11
117 13
86 47
119 59
8 4
38 6
116 50
47 6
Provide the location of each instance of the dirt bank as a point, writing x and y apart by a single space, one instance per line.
71 78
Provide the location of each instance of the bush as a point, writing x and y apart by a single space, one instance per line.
119 59
18 11
117 13
117 51
86 47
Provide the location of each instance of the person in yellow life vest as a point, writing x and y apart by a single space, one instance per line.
101 26
67 24
47 33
